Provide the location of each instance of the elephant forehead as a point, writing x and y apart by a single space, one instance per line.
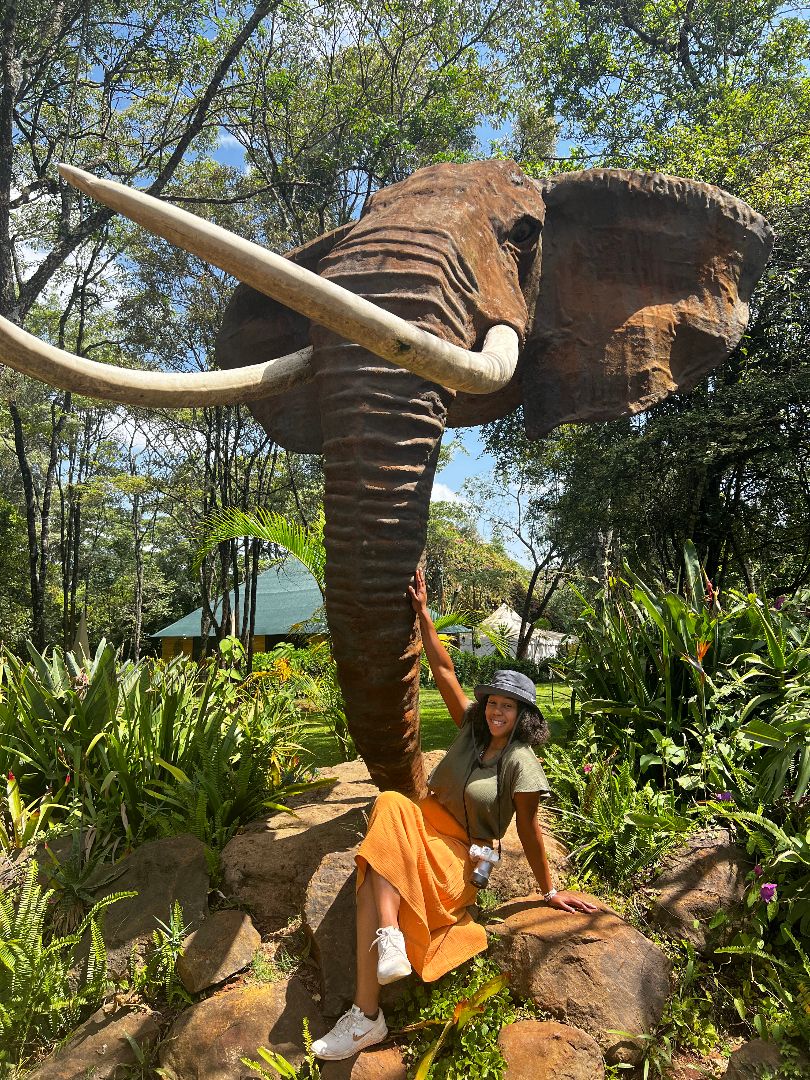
495 193
442 231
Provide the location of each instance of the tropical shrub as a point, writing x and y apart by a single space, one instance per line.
693 689
614 826
136 751
311 674
471 669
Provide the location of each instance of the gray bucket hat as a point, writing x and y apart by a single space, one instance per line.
512 683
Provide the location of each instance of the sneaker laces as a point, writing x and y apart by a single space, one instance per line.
383 938
349 1021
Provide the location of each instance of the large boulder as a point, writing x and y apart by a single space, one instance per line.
590 970
705 875
378 1063
224 944
268 866
161 872
208 1040
329 917
546 1050
100 1048
761 1060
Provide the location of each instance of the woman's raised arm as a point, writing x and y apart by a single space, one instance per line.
438 657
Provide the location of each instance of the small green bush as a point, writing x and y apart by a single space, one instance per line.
38 1003
471 669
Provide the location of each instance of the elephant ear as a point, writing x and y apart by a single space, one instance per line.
256 328
644 287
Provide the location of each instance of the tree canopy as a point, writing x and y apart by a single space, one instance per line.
327 103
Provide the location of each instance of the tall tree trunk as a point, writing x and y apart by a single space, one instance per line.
137 608
9 74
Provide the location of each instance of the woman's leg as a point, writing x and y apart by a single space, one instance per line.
367 993
386 898
377 905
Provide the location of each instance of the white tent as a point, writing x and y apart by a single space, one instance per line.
543 644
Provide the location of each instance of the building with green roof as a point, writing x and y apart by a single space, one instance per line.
287 598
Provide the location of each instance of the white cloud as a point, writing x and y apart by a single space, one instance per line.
225 139
442 493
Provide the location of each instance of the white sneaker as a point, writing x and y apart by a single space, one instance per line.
352 1033
392 960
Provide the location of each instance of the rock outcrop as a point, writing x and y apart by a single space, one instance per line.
591 970
706 875
546 1050
100 1048
224 944
761 1060
207 1041
378 1063
268 866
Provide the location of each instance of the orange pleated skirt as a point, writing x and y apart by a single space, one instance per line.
424 852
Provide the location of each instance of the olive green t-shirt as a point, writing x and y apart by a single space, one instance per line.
520 771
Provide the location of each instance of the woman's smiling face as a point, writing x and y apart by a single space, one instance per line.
501 713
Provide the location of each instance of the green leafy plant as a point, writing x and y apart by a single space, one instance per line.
38 1002
689 685
23 823
615 826
158 976
138 751
74 879
281 1066
468 1007
777 715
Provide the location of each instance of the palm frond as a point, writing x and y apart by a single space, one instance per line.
305 543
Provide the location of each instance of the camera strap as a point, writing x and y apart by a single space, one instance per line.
476 763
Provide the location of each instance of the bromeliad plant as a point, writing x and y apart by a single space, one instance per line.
138 751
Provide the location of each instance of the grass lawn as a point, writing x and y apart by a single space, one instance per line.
437 727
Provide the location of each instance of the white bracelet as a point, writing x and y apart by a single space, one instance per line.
549 895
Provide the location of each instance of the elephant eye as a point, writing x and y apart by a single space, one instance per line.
523 232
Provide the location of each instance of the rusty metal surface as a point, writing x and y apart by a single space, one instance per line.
642 286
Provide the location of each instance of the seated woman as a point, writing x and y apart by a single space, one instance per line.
414 868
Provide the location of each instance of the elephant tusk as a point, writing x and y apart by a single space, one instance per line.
324 302
155 389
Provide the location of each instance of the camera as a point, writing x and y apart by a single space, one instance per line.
484 858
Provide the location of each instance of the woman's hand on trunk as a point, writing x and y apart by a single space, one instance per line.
418 593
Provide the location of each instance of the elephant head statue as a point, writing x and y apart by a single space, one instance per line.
461 293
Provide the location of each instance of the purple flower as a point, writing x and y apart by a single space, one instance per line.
758 871
778 602
724 796
587 768
767 892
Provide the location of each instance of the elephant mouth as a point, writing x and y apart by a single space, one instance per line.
353 317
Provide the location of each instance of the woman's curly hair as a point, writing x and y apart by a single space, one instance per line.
531 727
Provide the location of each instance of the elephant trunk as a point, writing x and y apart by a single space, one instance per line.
382 428
380 457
